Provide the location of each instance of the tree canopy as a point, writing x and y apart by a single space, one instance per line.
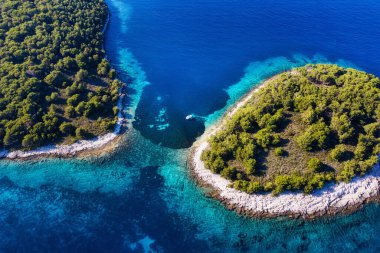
53 75
305 127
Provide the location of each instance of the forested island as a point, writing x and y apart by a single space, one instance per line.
55 84
302 129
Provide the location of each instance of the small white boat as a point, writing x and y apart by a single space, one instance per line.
190 117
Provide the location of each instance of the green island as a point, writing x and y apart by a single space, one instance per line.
303 128
55 84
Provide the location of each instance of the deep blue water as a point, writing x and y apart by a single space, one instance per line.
181 57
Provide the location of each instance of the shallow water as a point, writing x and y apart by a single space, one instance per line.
182 57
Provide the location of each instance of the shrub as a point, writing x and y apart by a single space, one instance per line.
246 152
279 151
69 111
213 161
309 116
250 166
314 165
317 181
297 182
81 133
115 110
308 189
282 183
373 129
29 141
268 186
271 121
316 136
364 147
254 187
67 128
241 185
80 108
341 124
265 138
112 74
349 171
368 164
338 153
229 173
103 67
376 150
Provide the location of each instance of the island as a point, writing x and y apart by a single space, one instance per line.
305 143
56 86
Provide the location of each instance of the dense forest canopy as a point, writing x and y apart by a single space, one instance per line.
305 127
55 84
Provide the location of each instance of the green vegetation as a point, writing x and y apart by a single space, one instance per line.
54 79
314 165
312 125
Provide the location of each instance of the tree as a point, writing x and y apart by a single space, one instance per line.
315 136
81 61
103 67
80 109
81 133
69 63
265 138
112 74
341 124
14 134
67 128
70 111
52 98
73 100
55 78
29 141
81 75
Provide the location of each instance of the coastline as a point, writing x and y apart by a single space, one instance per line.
333 199
95 146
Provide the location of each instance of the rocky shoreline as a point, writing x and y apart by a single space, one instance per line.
333 199
91 147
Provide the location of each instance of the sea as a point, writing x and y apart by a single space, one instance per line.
182 57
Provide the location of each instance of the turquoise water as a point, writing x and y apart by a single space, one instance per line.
182 57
